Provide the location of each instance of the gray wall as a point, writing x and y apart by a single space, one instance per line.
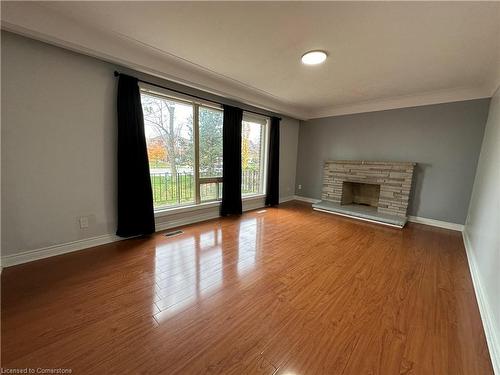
58 145
444 139
483 224
289 141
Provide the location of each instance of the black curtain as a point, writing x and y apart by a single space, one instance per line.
135 197
273 169
231 167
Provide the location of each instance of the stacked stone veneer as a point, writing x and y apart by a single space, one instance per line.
394 179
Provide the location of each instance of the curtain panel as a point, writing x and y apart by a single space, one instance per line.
135 197
273 169
231 167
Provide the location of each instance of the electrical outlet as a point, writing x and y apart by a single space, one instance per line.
84 222
300 187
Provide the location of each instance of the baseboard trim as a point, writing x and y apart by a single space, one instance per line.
306 199
287 199
50 251
69 247
490 331
436 223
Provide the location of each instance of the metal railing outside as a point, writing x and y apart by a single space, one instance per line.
180 189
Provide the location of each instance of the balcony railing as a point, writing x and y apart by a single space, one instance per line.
179 189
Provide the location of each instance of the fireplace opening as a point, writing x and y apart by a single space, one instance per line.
360 193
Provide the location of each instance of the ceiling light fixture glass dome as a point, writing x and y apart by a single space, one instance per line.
314 57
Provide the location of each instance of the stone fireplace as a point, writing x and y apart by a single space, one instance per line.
371 190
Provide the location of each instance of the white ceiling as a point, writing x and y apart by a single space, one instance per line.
381 54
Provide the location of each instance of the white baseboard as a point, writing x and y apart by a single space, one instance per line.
287 199
436 223
490 330
50 251
306 199
68 247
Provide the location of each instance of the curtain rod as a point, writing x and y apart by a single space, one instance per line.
117 74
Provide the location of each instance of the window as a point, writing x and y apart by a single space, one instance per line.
168 126
184 141
253 142
210 151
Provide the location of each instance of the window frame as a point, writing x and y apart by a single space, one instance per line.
264 121
203 180
198 180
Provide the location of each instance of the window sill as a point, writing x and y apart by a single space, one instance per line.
202 206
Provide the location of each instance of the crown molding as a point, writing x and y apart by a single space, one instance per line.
405 101
47 25
40 22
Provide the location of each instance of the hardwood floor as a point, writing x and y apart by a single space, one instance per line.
285 291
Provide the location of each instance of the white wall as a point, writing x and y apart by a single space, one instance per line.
482 230
59 146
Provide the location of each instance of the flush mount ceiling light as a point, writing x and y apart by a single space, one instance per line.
314 57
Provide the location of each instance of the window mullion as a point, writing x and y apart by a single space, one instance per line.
264 156
196 135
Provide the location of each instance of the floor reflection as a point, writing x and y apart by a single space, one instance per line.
192 266
210 261
248 243
187 267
